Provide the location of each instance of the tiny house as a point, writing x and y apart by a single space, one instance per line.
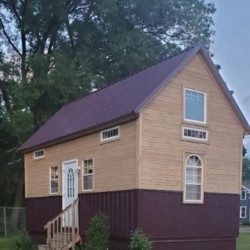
160 150
245 203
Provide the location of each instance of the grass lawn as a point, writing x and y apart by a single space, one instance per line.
7 243
243 243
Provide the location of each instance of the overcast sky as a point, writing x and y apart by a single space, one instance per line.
232 50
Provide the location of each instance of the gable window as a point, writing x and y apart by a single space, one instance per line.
39 154
243 195
88 175
243 212
54 180
195 106
110 134
194 134
193 190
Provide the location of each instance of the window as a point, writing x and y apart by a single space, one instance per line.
195 106
39 154
54 180
88 174
243 195
193 192
70 183
243 212
110 134
194 134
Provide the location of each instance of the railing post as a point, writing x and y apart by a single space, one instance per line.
73 225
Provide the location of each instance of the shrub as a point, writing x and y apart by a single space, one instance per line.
98 234
139 241
24 242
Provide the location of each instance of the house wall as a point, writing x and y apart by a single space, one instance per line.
114 162
163 152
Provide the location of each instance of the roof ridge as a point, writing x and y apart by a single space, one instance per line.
161 60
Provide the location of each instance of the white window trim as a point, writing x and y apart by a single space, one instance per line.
205 106
241 208
111 138
50 181
194 138
185 200
92 189
38 157
245 192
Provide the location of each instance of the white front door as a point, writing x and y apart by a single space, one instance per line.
70 182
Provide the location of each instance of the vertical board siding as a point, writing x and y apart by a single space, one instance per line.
41 210
120 207
162 215
223 244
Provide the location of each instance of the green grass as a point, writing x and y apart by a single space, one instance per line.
7 243
243 242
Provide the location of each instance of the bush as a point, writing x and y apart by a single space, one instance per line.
24 242
98 234
139 241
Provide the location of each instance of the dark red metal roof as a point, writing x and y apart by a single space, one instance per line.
123 98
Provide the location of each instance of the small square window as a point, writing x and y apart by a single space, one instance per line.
39 153
110 134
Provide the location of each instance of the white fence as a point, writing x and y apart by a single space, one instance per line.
12 219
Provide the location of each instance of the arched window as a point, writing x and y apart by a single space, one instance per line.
193 179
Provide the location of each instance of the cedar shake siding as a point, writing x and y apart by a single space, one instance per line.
161 214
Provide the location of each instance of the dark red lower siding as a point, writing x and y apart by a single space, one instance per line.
171 224
38 212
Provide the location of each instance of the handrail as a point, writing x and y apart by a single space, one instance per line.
57 216
62 230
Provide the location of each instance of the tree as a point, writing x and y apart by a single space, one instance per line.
55 51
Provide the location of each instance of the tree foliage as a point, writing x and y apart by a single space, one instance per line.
55 51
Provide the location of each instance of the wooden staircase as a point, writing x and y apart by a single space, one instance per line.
63 230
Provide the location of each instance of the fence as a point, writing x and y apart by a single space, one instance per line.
12 219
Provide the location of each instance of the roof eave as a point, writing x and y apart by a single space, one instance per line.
225 89
120 120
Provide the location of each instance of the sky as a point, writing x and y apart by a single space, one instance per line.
232 50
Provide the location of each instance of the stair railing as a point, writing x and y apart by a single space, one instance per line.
63 229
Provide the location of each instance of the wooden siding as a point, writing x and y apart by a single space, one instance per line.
160 214
161 145
114 162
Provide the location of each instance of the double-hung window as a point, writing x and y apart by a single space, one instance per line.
54 180
243 195
193 192
243 212
88 175
195 106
